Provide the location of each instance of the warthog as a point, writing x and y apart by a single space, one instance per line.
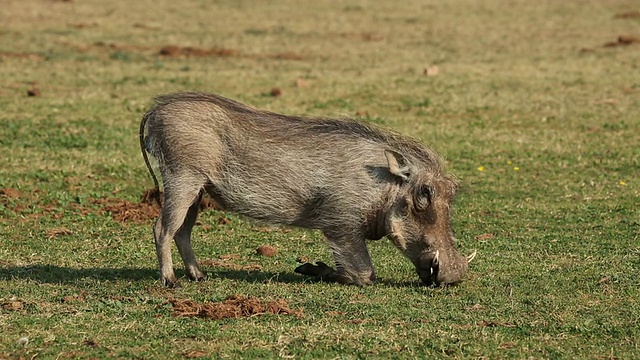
350 180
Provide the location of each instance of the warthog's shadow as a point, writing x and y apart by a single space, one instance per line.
52 274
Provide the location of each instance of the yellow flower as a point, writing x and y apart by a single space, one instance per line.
480 168
516 168
622 183
509 162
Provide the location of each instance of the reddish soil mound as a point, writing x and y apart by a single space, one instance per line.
123 210
235 306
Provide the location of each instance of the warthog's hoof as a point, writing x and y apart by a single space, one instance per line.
320 270
326 273
196 275
171 283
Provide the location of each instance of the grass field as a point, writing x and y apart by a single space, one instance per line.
534 105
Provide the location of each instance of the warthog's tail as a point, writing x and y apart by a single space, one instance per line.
143 148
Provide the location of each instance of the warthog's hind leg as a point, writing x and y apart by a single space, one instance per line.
180 197
183 241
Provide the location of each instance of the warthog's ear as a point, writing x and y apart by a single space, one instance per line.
398 164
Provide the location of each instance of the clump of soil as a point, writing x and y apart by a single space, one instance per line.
234 306
33 92
275 92
267 250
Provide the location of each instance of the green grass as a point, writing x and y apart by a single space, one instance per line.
540 122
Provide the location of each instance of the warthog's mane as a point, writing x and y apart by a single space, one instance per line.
290 125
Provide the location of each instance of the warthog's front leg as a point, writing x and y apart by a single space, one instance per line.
353 263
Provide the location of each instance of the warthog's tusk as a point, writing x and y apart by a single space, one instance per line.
472 256
436 258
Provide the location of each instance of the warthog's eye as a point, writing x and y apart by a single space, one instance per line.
424 197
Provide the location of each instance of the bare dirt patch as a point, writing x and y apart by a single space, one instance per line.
486 236
121 47
60 231
17 55
175 51
10 193
189 51
68 299
124 211
170 51
628 15
359 36
12 305
31 207
234 306
623 40
491 323
148 208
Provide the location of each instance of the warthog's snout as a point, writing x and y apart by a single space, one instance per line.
435 268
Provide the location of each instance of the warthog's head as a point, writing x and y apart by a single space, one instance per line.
419 222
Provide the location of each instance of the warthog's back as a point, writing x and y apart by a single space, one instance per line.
313 172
